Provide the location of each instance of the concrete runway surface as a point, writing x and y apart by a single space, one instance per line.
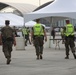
24 63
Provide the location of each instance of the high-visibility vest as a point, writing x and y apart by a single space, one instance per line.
62 32
38 29
24 31
69 30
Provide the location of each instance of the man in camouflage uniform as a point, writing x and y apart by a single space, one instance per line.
37 35
7 40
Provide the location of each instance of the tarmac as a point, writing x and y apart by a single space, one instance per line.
24 62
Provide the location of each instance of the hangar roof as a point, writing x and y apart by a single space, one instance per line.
20 7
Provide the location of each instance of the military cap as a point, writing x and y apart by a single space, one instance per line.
7 22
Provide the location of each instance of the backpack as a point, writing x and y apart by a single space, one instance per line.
7 33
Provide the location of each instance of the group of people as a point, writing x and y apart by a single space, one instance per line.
38 35
8 39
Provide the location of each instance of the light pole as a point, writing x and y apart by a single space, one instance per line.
39 2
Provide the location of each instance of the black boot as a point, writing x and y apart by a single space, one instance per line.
41 56
8 60
74 56
67 57
37 57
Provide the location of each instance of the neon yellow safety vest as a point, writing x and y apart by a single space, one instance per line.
69 30
62 32
24 30
38 29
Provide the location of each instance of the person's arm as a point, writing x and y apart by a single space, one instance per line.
73 29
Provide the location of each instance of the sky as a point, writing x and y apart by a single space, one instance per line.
34 2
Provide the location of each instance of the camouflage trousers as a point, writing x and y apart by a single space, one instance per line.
69 42
38 43
7 48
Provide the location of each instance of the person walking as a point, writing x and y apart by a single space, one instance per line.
28 35
25 33
69 39
53 34
7 40
62 34
37 35
15 32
